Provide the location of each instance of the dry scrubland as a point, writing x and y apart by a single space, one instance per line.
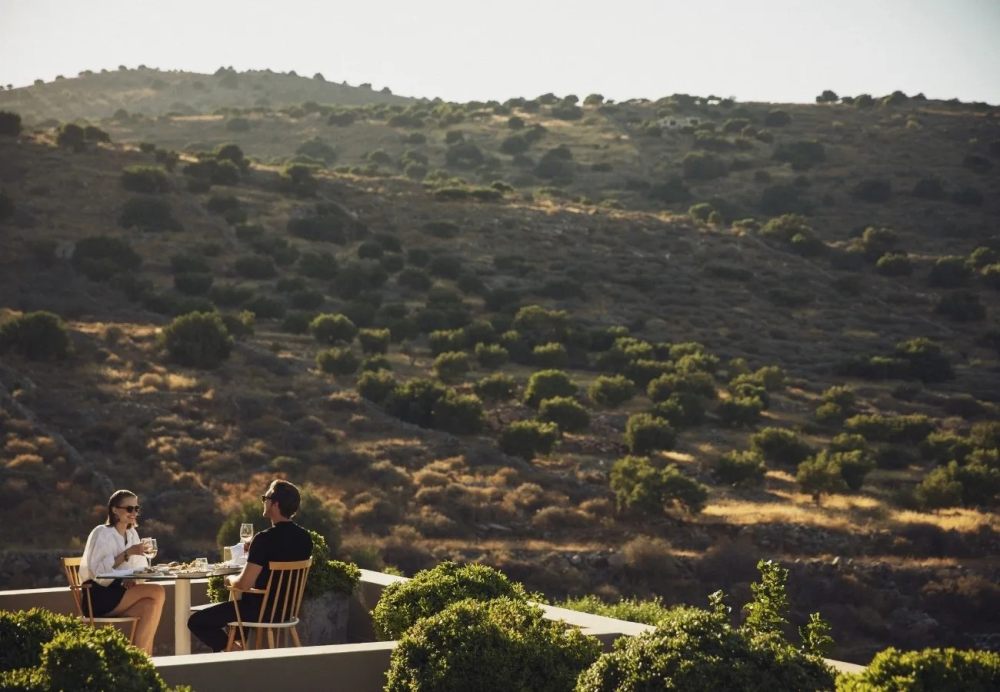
436 221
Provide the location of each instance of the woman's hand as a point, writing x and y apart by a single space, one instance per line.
136 549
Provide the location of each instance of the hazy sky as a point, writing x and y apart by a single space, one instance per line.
766 50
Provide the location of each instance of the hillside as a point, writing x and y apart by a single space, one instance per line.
96 95
430 221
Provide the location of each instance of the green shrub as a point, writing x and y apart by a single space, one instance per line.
493 646
413 401
939 488
941 670
71 136
46 651
101 257
908 429
337 361
681 410
430 591
333 328
316 515
529 438
854 466
148 214
376 386
197 339
699 165
802 155
546 384
739 411
641 487
460 414
193 283
611 391
451 365
491 355
894 264
699 650
780 446
925 359
145 179
10 124
648 611
496 387
646 433
949 272
566 412
961 306
740 468
551 355
374 340
36 335
447 340
821 475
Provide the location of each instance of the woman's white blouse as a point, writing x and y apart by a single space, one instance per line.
103 543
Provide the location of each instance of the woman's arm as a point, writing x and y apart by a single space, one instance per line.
99 554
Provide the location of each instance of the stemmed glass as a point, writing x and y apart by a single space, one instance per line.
149 548
246 533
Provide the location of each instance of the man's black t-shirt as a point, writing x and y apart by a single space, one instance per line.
286 541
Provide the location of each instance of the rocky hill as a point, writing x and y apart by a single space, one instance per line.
829 271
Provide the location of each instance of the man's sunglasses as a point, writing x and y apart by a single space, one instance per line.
131 509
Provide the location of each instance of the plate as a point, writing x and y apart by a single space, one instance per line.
192 573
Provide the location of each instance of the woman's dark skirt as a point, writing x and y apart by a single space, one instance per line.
104 598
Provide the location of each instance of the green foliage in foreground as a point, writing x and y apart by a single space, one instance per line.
650 611
940 670
431 591
498 645
699 650
44 651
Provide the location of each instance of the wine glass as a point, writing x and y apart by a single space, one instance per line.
149 548
246 533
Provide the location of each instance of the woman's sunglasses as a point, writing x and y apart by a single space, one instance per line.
131 509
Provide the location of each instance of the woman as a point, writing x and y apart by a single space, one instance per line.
109 546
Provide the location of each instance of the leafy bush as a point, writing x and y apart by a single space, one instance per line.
145 179
491 355
445 340
337 361
700 651
461 414
681 410
551 355
374 340
496 387
802 155
821 475
148 214
36 335
198 339
414 401
10 124
777 118
193 283
646 433
376 386
546 384
907 429
941 670
71 136
894 264
738 411
47 651
740 468
101 257
961 306
698 165
949 272
451 365
333 328
611 391
780 446
566 412
492 646
430 591
641 487
529 438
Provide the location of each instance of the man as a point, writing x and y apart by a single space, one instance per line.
285 541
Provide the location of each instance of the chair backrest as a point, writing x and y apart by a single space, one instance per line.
71 566
286 585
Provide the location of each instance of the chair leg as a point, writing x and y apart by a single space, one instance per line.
270 639
232 637
295 636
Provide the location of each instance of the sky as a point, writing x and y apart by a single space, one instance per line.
461 50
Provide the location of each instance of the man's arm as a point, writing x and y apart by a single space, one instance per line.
245 580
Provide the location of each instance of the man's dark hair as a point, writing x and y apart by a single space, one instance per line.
287 497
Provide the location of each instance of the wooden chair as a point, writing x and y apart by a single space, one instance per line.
81 595
279 609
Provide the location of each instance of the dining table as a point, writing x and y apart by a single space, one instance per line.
182 595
